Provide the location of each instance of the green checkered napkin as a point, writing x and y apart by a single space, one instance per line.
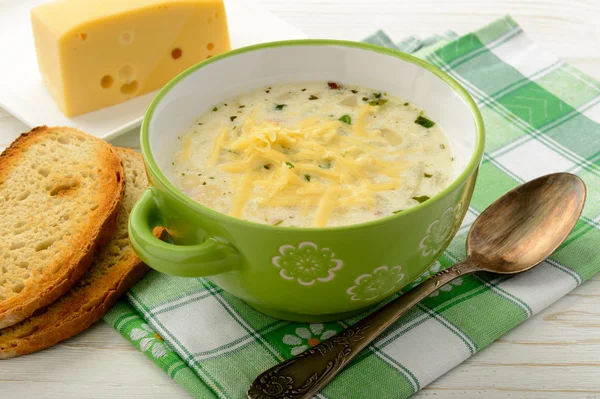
541 116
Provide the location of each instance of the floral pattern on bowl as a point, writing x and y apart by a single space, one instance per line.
440 231
307 263
380 283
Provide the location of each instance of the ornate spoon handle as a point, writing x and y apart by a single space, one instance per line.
305 374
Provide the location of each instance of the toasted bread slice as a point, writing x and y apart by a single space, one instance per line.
60 191
114 270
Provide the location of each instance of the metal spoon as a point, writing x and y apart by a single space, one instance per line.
512 235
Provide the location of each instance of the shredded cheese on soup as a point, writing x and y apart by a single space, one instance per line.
312 155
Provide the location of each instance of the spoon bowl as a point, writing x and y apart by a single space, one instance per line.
527 224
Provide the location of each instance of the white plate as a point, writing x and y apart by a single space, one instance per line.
23 94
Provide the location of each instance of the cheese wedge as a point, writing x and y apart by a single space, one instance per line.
94 54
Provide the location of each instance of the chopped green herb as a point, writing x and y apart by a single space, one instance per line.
267 91
398 211
199 174
365 99
212 178
442 146
405 104
354 91
421 199
313 97
426 123
199 124
452 159
428 176
242 106
225 104
303 89
173 163
204 183
232 118
183 174
379 101
239 112
268 166
290 165
215 109
279 107
307 177
234 127
328 165
278 222
377 95
421 113
346 119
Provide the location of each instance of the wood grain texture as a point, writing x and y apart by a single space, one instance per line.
554 355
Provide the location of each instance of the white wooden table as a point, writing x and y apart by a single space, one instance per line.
556 354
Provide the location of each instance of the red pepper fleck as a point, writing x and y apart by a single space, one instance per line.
333 86
176 53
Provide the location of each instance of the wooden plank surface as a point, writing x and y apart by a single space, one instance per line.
556 354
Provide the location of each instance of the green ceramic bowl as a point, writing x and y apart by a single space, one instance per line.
302 274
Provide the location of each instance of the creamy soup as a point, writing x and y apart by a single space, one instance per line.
313 154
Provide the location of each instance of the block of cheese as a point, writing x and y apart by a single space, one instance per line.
94 54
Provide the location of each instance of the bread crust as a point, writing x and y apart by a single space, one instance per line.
77 258
87 302
74 314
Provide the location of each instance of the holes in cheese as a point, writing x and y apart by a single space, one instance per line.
106 82
176 53
126 38
129 88
126 73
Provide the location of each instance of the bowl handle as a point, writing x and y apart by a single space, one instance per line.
213 256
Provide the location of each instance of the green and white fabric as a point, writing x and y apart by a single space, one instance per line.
541 116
